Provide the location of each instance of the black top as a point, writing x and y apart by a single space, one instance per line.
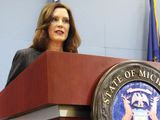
20 61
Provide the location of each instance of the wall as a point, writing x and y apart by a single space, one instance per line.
117 28
18 21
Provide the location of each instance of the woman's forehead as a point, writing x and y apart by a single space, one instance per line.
60 12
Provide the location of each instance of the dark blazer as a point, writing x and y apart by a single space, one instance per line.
20 61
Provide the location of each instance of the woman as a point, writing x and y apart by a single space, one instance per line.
55 32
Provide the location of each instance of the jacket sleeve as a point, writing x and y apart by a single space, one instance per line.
18 65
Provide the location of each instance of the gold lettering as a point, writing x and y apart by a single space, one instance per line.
109 95
119 79
142 74
127 74
111 89
148 74
114 82
157 81
106 101
132 73
152 77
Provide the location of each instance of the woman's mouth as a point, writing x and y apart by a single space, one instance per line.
59 32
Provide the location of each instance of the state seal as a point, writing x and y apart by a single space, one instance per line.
128 91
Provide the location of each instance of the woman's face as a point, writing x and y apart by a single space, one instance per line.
59 27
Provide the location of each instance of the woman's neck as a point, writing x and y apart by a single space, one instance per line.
55 46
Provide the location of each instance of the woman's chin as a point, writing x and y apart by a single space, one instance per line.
60 39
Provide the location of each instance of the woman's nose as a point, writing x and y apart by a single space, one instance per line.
60 23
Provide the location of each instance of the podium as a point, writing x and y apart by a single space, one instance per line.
58 86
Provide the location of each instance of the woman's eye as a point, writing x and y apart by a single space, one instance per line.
65 20
55 19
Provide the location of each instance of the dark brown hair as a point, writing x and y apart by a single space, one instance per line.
41 38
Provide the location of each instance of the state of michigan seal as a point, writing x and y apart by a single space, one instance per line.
128 91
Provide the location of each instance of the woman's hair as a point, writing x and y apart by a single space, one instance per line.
41 38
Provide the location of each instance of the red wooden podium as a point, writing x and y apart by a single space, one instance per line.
55 86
